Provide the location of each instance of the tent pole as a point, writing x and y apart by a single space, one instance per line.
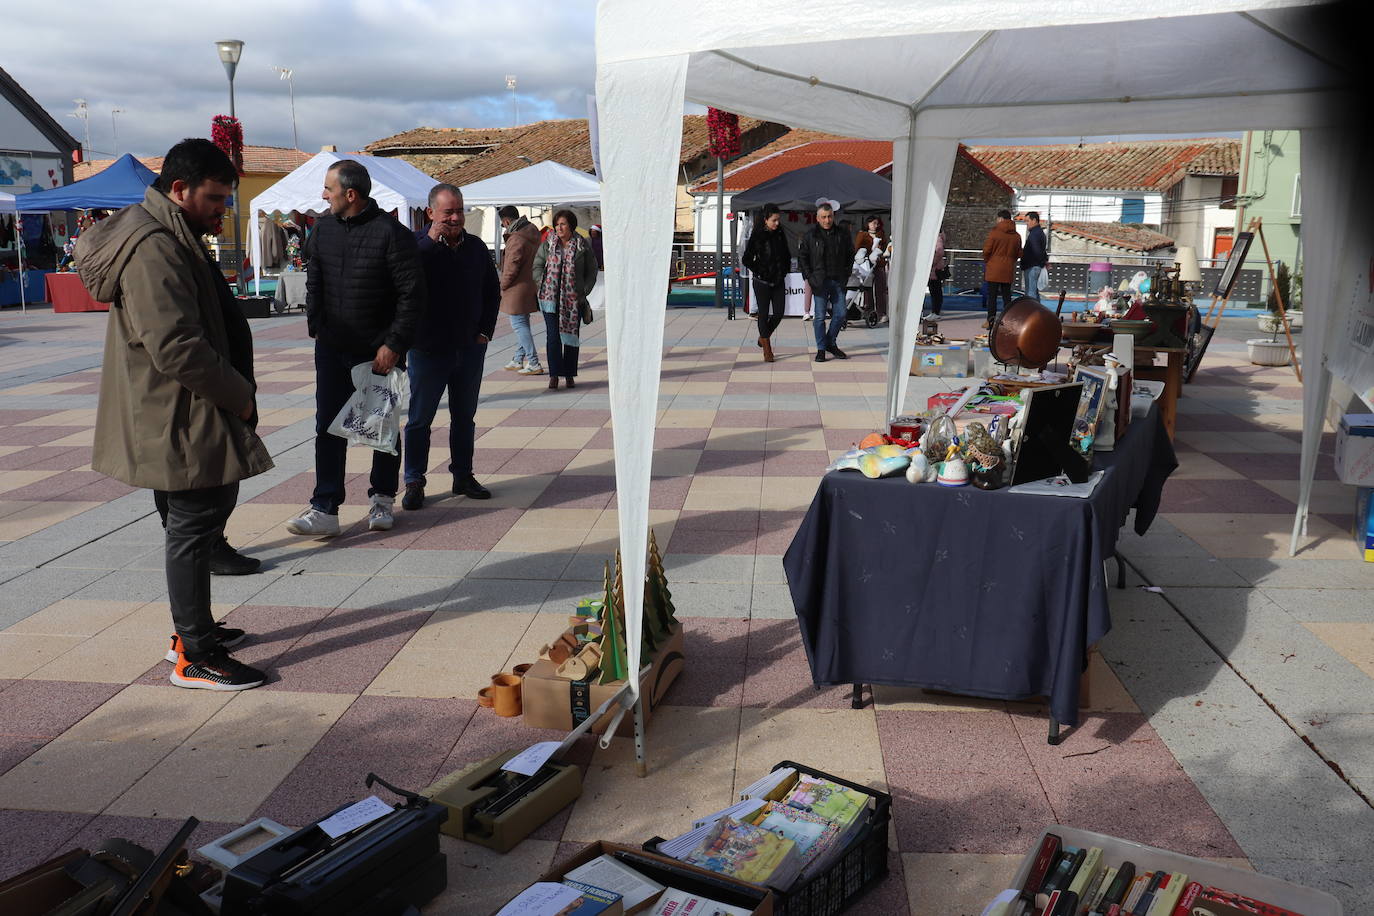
1307 465
720 235
19 250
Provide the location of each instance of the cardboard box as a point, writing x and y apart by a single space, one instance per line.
1355 449
984 366
946 361
549 700
1364 523
672 873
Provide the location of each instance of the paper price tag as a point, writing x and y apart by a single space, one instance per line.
528 761
354 816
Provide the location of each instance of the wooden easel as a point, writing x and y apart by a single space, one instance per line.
1257 226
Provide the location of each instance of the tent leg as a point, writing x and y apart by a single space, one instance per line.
1311 440
641 762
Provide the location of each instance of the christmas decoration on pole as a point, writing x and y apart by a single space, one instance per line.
723 128
227 133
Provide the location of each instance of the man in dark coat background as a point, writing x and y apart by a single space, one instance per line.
826 258
464 296
364 296
1000 251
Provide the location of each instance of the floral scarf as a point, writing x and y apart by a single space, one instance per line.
559 293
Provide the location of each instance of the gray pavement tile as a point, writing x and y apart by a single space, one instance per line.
344 561
1328 605
771 601
35 589
698 568
125 585
410 593
711 599
516 595
768 568
307 591
512 564
585 567
454 563
104 554
238 590
1287 572
1167 571
1315 818
1162 540
1347 739
145 530
1351 881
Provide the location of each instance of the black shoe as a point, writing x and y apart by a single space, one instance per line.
470 488
217 671
227 637
570 383
414 497
836 352
226 561
820 356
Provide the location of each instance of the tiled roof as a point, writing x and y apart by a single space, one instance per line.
1118 235
443 138
800 148
1154 165
270 160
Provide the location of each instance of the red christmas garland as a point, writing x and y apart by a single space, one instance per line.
724 132
227 134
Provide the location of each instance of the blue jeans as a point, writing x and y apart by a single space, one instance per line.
829 298
1032 278
460 372
333 388
524 340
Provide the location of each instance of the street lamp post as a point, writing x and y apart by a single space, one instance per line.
229 52
114 128
285 73
84 114
514 101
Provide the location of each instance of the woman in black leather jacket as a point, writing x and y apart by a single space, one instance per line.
768 258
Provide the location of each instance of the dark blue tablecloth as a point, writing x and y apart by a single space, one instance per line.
987 593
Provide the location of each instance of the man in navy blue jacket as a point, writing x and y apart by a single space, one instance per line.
1034 255
451 344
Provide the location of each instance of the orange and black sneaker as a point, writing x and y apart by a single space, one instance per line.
228 638
218 671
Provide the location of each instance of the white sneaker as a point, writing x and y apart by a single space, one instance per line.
532 369
315 523
514 365
379 517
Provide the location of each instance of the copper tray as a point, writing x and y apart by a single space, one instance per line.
1026 334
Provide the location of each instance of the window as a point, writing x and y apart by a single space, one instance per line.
1133 210
1229 187
1296 210
1078 208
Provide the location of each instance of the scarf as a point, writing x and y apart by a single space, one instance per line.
559 293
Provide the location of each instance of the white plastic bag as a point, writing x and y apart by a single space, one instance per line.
372 416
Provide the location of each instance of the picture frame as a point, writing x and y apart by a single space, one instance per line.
1040 445
1092 409
1234 261
1197 348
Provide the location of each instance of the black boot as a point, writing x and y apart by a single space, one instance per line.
226 561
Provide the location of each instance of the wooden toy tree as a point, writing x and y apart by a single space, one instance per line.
615 664
659 580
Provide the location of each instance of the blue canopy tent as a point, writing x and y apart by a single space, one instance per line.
123 183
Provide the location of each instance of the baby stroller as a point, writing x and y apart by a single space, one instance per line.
860 304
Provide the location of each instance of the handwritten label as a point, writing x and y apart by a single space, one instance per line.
528 761
354 816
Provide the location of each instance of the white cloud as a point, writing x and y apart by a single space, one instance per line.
362 69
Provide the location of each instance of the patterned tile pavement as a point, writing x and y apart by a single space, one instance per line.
1234 698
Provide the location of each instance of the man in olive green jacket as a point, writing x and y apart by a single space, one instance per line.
176 390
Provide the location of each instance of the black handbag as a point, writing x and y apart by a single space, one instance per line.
584 309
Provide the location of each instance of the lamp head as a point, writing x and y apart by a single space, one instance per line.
1186 262
230 49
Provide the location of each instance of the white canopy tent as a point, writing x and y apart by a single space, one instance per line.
926 74
544 183
396 185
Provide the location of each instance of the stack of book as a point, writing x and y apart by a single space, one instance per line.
1073 881
604 886
787 826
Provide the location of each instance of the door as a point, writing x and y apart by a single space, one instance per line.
1222 239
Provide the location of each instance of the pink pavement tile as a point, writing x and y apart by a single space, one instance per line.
772 639
718 520
487 734
950 742
968 812
838 438
89 388
467 529
732 543
277 387
602 438
576 492
715 637
148 832
799 463
730 463
738 418
33 837
1222 496
272 630
665 437
484 461
297 490
717 681
34 435
45 709
1265 466
539 461
40 458
402 739
56 487
1218 422
794 419
535 416
14 751
1083 779
585 417
343 660
410 527
782 680
664 493
777 528
749 388
10 417
99 491
792 388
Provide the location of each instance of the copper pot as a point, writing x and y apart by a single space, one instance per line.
1026 334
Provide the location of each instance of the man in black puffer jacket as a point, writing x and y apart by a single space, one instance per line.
364 297
826 258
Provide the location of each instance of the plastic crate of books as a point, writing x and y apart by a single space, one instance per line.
861 865
1175 877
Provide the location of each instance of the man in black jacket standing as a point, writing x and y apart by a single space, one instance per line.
826 257
364 296
464 295
1035 255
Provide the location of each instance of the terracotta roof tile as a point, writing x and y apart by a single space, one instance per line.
443 137
1154 165
271 160
1119 235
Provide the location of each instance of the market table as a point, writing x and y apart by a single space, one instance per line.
290 290
988 593
65 292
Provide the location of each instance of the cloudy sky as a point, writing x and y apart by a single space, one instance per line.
363 69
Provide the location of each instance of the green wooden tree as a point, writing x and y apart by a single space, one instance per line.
660 578
615 663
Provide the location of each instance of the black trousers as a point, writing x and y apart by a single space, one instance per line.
562 358
937 295
333 388
995 290
195 524
770 302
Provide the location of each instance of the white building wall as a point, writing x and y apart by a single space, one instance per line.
704 220
1102 206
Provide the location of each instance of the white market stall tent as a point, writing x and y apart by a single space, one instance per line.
927 74
396 185
541 184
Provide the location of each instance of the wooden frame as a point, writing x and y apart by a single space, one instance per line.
1235 259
